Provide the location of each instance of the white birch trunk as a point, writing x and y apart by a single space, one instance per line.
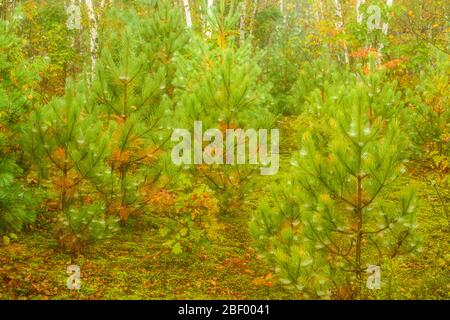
93 38
340 25
187 10
385 31
359 15
242 23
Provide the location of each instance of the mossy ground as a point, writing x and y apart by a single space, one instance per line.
132 266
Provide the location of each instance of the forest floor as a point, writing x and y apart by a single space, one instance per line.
131 266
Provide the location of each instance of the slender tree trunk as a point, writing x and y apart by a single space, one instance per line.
385 31
359 15
359 239
340 26
242 23
187 10
359 212
253 18
93 38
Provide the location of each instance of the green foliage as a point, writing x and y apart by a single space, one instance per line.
266 25
223 20
220 86
343 216
429 101
156 30
282 61
369 33
46 35
315 81
16 202
68 146
364 149
187 219
81 225
164 35
18 79
129 90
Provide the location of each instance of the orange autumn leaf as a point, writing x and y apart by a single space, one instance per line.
264 280
124 213
366 70
120 119
223 127
121 156
88 200
268 276
59 154
363 53
392 64
332 32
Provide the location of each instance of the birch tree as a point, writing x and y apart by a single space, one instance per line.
385 30
254 13
359 15
187 10
93 37
242 23
73 16
340 26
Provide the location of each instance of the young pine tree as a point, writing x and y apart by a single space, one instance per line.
18 79
164 35
430 121
219 84
340 210
129 89
68 145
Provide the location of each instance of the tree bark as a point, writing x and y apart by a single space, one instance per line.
385 31
242 24
253 18
359 15
187 10
93 38
340 26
